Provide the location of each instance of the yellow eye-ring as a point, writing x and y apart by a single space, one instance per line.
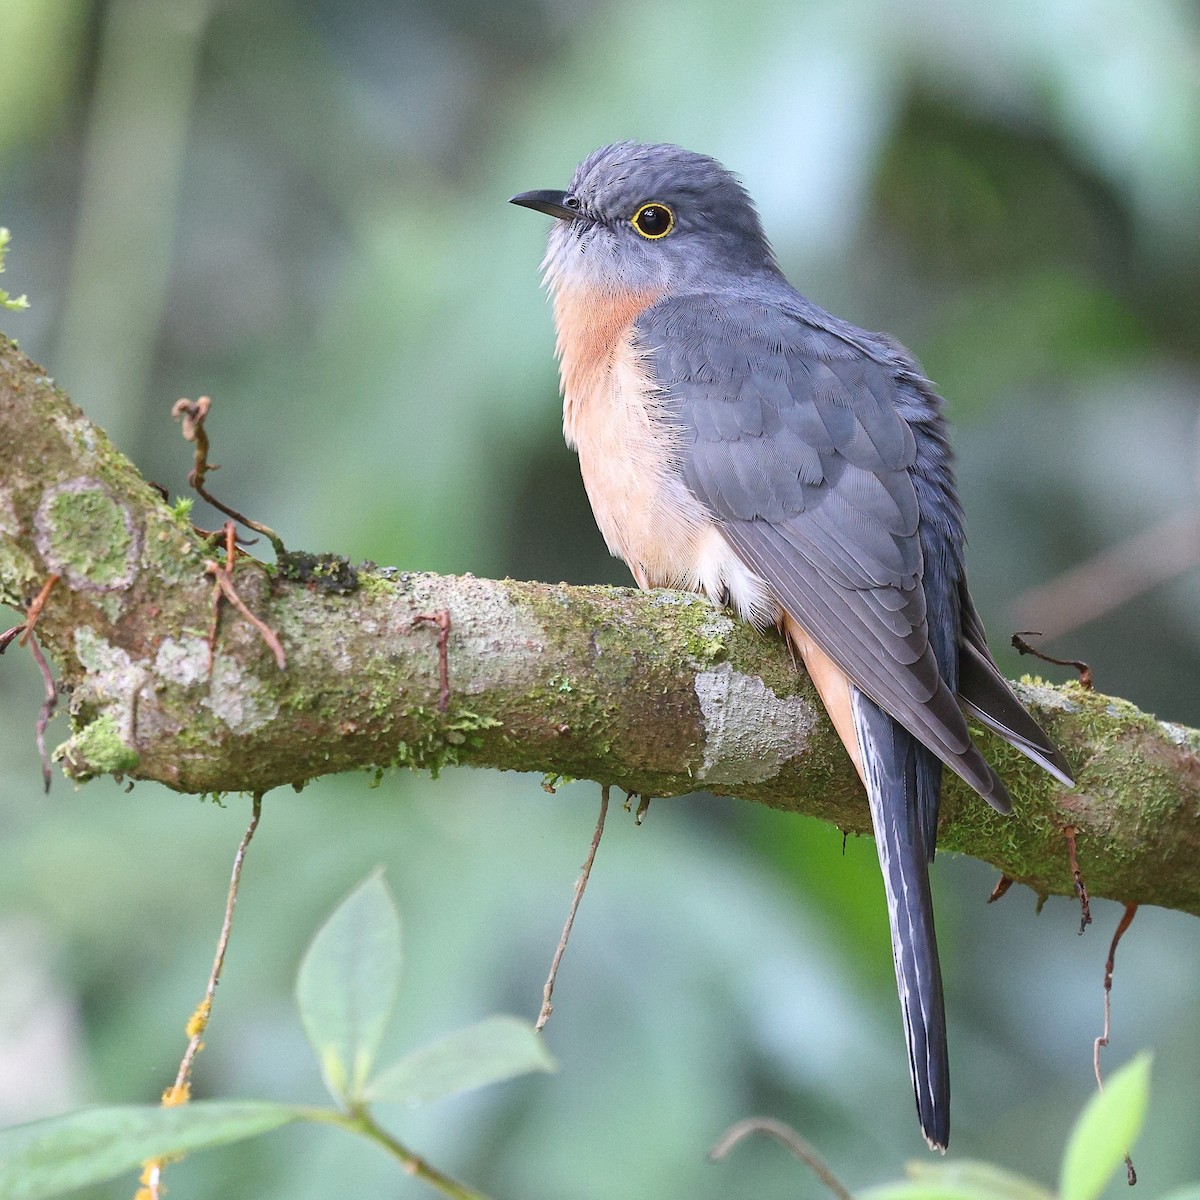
654 220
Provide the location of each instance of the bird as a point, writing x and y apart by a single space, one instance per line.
737 440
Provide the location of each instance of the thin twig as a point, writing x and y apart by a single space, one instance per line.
35 609
180 1091
441 619
1021 646
49 703
213 627
361 1122
786 1135
192 415
267 634
1085 908
1001 888
223 578
580 884
24 632
639 815
1122 925
199 1020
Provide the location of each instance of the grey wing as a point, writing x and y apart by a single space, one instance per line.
793 439
986 694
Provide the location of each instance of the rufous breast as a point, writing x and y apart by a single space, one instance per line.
617 417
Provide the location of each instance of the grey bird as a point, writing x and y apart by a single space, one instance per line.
739 441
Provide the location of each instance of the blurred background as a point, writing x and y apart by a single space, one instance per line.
299 209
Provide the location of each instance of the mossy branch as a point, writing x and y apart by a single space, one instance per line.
656 693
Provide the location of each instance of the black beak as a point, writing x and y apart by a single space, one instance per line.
553 203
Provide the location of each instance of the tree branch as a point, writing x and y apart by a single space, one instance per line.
656 692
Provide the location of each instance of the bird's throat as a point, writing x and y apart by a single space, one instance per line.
592 325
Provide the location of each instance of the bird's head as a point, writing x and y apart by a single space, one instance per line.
641 217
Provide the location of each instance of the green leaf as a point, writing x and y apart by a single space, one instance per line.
965 1180
19 302
1105 1131
494 1049
347 986
46 1158
1190 1191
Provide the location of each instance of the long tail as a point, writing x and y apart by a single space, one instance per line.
902 778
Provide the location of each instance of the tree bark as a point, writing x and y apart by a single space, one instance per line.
658 693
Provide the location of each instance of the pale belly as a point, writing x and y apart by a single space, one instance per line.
629 455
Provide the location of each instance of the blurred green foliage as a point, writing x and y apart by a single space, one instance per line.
299 210
345 992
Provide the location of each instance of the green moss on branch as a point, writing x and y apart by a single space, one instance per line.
654 692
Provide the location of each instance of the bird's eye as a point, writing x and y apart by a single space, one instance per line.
654 220
572 201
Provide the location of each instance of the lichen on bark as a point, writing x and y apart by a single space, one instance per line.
657 692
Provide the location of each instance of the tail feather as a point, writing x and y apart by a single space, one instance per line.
894 769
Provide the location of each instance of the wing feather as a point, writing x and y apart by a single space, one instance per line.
800 443
985 693
896 670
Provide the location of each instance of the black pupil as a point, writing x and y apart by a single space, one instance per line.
653 219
